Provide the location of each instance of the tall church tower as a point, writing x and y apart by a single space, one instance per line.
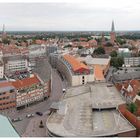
112 34
3 32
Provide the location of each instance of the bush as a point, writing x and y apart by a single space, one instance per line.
132 107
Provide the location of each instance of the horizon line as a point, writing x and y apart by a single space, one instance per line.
66 30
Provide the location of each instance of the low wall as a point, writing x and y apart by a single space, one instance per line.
130 117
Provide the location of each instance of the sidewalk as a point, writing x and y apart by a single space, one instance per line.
33 129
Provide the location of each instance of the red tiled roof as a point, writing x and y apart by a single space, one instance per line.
76 64
26 82
118 86
135 84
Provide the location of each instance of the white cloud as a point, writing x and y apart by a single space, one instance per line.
71 15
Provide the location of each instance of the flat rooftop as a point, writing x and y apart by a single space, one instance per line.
81 120
105 96
95 60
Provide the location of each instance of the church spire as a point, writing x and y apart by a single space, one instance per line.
3 28
3 32
112 27
112 33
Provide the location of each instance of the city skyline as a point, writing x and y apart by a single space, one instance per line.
70 16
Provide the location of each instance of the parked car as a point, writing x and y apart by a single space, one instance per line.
17 119
39 113
29 115
64 90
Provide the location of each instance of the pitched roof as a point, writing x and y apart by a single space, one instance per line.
75 64
98 73
26 82
135 84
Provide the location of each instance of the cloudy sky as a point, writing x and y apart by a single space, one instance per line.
70 15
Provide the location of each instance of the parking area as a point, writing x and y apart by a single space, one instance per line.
19 75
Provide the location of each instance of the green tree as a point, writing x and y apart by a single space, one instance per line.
113 54
132 107
120 61
99 50
117 62
120 41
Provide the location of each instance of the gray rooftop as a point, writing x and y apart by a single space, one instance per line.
92 61
5 89
118 77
